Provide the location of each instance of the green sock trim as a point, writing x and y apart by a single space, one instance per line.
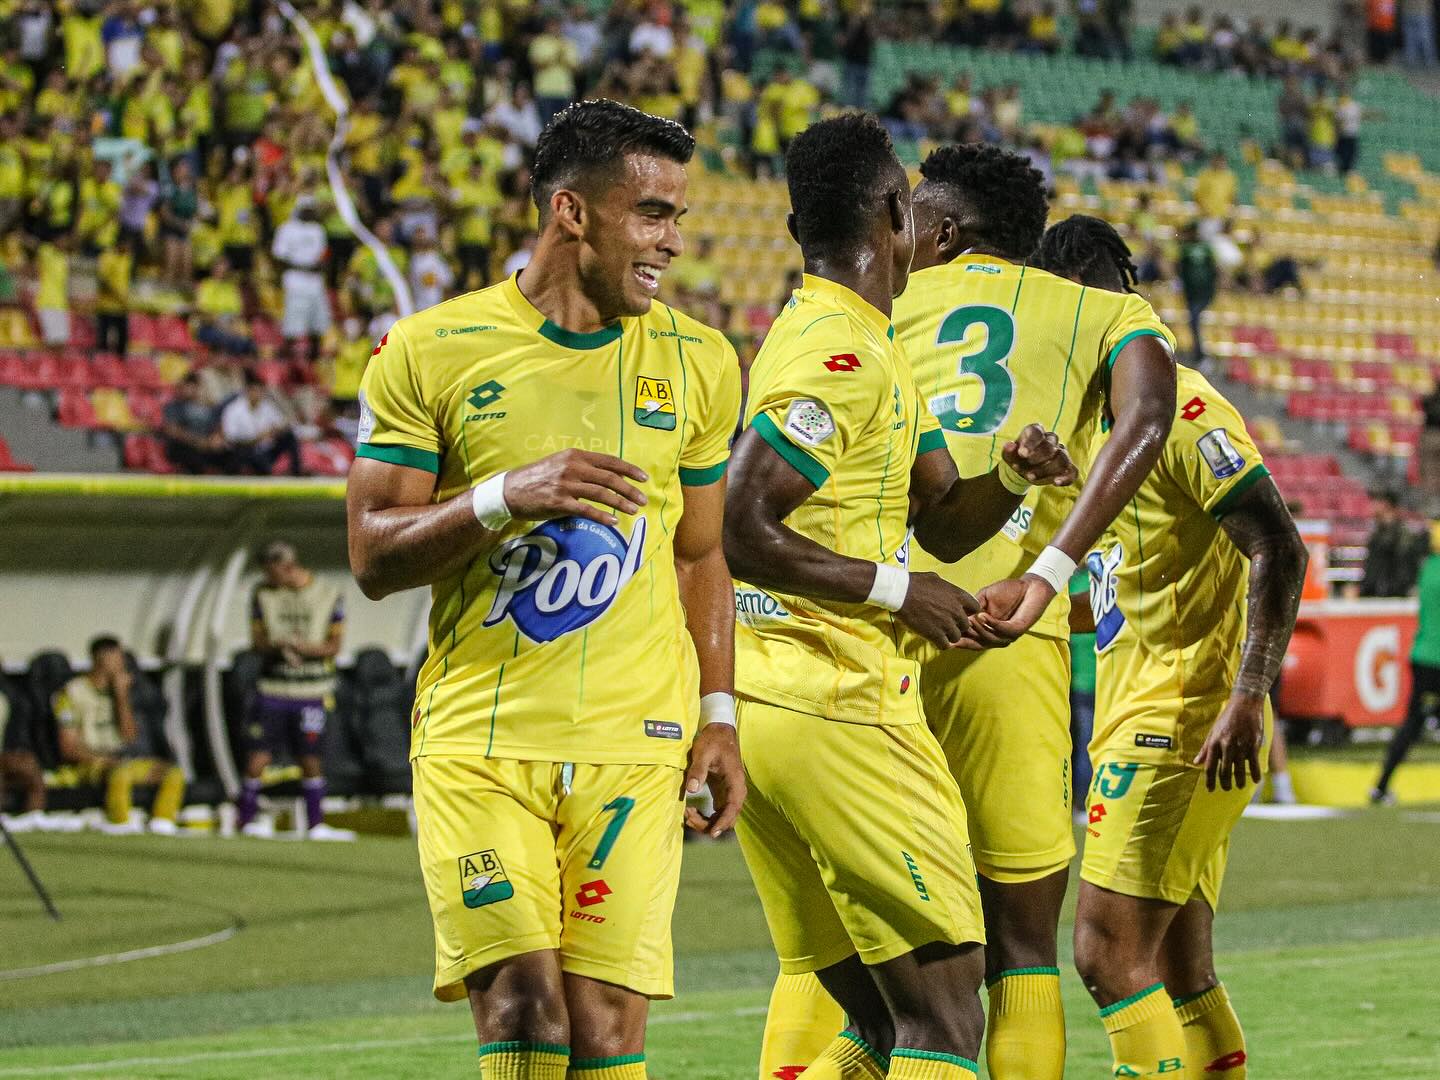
1177 1002
524 1047
935 1055
606 1063
870 1052
1023 971
1111 1010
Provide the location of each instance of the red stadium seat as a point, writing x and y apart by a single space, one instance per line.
173 334
266 334
82 331
143 332
8 462
148 406
109 370
143 372
75 410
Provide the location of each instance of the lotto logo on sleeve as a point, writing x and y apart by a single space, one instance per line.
562 575
843 362
1220 453
483 880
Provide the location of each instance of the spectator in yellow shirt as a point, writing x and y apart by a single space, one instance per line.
1215 187
52 299
1042 31
112 298
12 175
553 62
218 313
99 222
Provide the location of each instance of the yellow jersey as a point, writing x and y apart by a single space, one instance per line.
1168 590
90 713
996 346
308 614
831 392
566 641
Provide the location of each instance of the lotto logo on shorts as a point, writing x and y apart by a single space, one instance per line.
483 880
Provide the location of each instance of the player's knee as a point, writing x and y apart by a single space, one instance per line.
516 1007
1107 960
605 1021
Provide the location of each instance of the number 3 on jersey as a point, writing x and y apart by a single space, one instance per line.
997 388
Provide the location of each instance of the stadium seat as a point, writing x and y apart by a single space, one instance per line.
8 462
74 410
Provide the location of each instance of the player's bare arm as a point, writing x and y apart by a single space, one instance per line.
400 539
1261 527
761 549
952 516
1142 402
709 598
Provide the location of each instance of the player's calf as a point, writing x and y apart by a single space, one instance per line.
607 1029
1214 1041
520 1018
933 997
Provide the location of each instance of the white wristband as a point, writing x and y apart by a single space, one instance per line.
487 498
1054 567
717 708
1011 480
891 585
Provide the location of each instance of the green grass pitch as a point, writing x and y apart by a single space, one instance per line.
1329 939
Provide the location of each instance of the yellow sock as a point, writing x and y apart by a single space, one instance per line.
1145 1035
1025 1033
523 1061
1214 1042
848 1057
907 1064
119 788
629 1067
169 794
801 1022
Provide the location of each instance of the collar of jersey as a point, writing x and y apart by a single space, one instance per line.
569 339
851 301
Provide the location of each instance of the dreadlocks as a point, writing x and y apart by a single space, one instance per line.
1080 247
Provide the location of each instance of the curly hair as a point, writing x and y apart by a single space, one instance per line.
996 195
838 170
1081 244
590 137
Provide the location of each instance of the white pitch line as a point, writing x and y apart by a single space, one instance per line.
327 1048
122 957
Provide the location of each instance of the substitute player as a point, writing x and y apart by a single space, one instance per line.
854 831
297 624
1194 593
995 342
549 455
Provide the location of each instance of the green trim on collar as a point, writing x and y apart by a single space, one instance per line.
796 458
412 457
1227 503
606 335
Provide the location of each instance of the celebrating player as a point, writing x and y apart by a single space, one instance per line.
1189 643
854 831
993 342
549 455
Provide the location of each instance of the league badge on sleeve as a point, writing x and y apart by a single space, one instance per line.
809 421
367 421
1220 453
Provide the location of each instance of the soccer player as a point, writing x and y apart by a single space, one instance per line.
297 622
100 741
994 342
1194 593
549 455
854 831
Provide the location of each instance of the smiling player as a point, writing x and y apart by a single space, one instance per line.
549 455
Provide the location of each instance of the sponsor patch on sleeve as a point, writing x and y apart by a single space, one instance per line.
1220 453
367 420
809 421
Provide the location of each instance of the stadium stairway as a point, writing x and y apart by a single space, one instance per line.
34 437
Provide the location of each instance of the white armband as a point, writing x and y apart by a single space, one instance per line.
1011 480
1054 567
891 585
717 708
487 498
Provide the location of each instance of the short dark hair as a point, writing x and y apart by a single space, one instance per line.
103 643
592 136
996 195
253 379
1071 248
1389 496
837 171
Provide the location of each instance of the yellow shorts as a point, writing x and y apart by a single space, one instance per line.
1003 719
1155 831
855 836
520 856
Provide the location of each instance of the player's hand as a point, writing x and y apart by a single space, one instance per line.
558 485
1007 610
1233 746
1039 456
937 610
290 655
715 759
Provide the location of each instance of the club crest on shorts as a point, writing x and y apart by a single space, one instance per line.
654 403
483 879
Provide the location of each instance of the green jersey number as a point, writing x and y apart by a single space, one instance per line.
987 365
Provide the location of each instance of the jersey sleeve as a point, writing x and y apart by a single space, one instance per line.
1210 455
716 414
812 405
1135 319
396 426
932 436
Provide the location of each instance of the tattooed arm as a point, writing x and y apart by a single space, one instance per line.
1261 527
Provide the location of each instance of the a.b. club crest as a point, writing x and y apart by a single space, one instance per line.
483 880
654 403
